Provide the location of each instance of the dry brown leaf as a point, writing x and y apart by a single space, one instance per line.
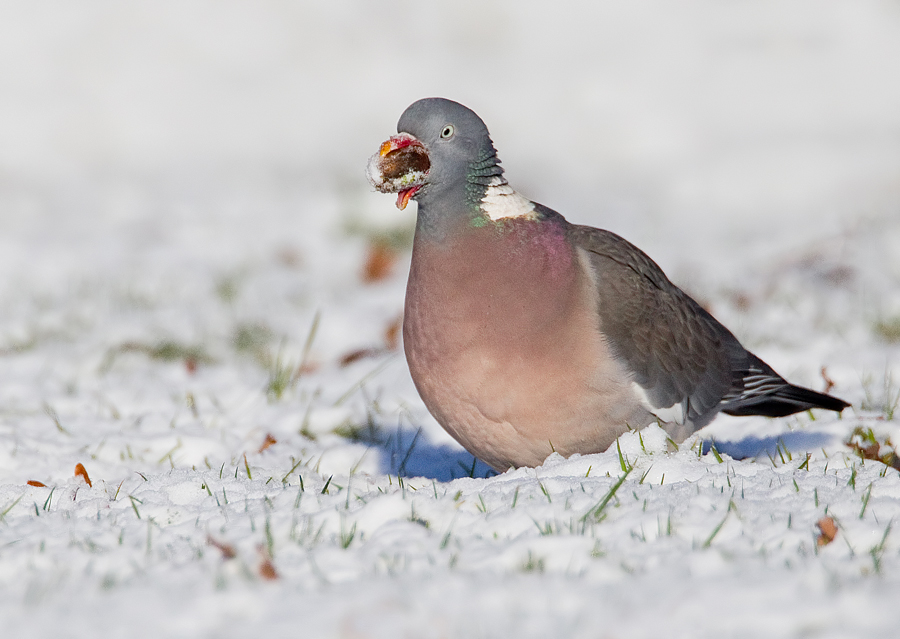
190 364
267 442
827 531
865 443
227 550
81 472
829 383
266 568
358 354
392 334
380 260
32 482
867 451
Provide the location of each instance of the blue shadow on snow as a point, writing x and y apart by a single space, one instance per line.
796 442
408 453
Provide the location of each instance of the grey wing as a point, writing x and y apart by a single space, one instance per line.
678 353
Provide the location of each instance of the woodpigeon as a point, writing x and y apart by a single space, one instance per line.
527 335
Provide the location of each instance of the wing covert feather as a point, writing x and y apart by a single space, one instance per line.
677 352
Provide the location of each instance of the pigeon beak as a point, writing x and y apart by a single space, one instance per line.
397 142
404 195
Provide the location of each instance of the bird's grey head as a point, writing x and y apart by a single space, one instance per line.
443 151
455 137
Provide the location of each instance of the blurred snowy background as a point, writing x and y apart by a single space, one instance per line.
751 117
191 260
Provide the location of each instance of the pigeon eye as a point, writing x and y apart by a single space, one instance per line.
447 133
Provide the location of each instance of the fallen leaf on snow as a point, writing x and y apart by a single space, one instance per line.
865 443
392 333
81 472
361 353
227 550
268 442
827 531
829 383
32 482
379 263
266 568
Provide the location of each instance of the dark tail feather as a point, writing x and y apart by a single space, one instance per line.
787 400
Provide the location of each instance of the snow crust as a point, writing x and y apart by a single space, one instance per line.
183 203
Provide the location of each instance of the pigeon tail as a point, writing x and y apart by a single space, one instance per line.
786 400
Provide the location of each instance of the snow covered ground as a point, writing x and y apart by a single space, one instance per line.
198 297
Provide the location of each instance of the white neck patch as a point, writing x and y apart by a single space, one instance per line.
501 201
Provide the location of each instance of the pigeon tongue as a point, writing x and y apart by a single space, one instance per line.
404 195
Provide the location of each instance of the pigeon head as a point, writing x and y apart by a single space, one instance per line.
442 151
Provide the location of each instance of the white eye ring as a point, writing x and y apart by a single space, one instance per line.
448 131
